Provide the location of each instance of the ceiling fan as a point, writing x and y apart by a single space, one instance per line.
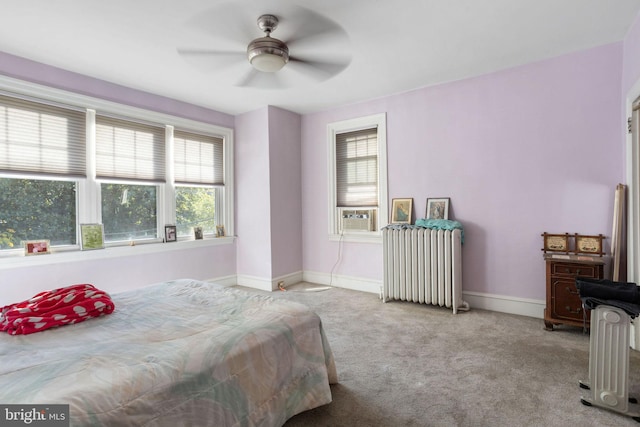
314 50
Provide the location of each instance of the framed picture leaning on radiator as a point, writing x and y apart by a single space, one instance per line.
438 208
401 211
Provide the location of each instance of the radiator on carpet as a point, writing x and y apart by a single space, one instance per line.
423 265
609 362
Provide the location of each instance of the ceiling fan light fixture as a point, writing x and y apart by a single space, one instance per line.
267 54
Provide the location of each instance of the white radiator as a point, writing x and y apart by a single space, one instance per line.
609 361
423 265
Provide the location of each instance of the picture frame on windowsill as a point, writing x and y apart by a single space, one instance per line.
36 247
198 233
170 233
91 236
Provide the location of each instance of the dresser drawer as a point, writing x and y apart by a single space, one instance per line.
563 303
566 301
573 270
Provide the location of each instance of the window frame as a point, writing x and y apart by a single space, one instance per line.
378 121
89 199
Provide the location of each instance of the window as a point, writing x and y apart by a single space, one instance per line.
199 174
129 151
358 198
41 139
357 168
32 209
67 159
42 153
195 207
129 212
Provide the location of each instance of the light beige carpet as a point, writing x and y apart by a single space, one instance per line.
407 364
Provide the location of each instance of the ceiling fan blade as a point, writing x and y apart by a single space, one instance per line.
228 21
319 70
199 52
308 27
247 78
260 80
210 60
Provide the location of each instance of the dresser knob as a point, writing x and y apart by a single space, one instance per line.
571 291
577 311
578 272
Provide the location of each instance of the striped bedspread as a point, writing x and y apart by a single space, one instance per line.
179 353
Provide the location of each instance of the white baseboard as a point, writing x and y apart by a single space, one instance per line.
226 281
347 282
499 303
505 304
268 285
288 279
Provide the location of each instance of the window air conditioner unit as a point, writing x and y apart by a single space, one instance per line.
358 219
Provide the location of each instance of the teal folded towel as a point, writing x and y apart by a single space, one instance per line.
441 224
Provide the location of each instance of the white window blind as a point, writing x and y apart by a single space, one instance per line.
129 150
357 168
198 158
38 138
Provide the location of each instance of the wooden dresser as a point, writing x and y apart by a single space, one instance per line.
563 302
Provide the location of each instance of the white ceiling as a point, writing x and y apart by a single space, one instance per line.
391 46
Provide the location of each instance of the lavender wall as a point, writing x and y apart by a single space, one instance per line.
286 192
133 270
35 72
118 274
519 152
253 194
269 225
531 149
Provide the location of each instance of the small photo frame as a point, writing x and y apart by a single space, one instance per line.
401 211
36 247
589 244
170 233
91 236
220 231
556 242
438 208
197 233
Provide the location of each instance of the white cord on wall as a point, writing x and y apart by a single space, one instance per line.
339 258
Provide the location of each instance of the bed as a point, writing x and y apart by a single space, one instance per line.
178 353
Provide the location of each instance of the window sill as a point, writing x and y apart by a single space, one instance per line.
15 261
373 237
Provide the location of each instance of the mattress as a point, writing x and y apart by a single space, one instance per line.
177 353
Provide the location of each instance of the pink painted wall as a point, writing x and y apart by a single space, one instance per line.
286 192
519 152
